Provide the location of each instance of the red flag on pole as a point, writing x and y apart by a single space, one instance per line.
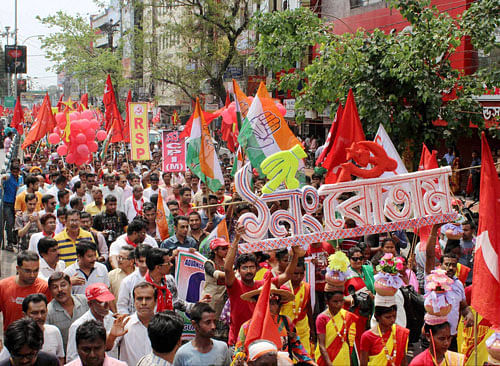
60 105
84 101
209 117
262 325
349 130
44 123
113 119
331 135
126 126
486 257
18 117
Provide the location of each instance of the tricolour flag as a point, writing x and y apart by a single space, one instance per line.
264 131
487 251
220 231
201 156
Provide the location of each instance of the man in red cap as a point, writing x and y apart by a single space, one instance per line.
98 298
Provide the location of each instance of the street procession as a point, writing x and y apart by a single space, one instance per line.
250 182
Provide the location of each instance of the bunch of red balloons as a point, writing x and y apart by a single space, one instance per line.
83 132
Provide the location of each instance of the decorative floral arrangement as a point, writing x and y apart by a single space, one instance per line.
338 262
438 281
390 264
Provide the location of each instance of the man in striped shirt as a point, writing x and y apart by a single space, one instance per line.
70 237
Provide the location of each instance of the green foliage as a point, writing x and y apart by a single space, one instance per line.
70 48
398 79
207 34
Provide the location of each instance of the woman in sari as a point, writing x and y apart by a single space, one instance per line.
357 291
385 344
336 329
437 354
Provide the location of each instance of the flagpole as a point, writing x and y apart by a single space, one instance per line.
475 337
36 150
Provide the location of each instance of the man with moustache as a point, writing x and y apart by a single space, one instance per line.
65 308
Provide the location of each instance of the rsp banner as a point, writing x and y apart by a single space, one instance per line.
190 279
139 131
174 152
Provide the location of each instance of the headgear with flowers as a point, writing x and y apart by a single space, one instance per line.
388 273
438 298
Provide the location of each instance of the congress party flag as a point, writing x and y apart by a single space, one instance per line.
265 131
201 156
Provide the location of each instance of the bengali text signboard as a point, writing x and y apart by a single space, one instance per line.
139 131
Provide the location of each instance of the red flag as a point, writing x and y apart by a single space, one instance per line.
44 123
1 110
18 117
331 135
113 119
84 100
60 105
428 161
126 126
262 325
349 130
486 257
209 117
157 116
228 100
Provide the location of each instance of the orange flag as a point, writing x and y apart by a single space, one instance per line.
161 218
44 123
18 117
262 325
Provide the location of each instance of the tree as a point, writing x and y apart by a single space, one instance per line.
399 79
71 50
205 36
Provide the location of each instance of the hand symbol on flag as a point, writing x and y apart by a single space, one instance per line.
265 124
281 167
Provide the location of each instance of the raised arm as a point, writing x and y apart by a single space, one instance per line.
430 249
231 255
290 269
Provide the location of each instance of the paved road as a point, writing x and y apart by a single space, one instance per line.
7 259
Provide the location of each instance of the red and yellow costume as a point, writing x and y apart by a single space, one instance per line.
388 350
340 334
462 273
296 310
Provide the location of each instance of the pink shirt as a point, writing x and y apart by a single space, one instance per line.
108 361
6 144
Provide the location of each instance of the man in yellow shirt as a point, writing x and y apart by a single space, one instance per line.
96 207
31 187
70 237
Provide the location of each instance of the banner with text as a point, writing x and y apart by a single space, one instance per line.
174 152
139 131
190 279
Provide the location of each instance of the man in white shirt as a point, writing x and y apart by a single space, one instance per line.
35 307
87 267
48 222
133 337
48 250
136 234
154 180
112 189
98 299
125 303
133 205
60 185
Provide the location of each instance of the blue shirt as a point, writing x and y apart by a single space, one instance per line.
174 243
10 189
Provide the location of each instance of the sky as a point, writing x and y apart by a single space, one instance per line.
28 26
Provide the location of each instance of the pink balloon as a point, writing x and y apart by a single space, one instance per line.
80 138
80 160
60 117
281 109
62 125
54 138
82 150
94 124
70 159
90 134
101 135
85 123
87 114
62 150
93 146
73 116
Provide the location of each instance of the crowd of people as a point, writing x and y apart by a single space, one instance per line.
95 285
